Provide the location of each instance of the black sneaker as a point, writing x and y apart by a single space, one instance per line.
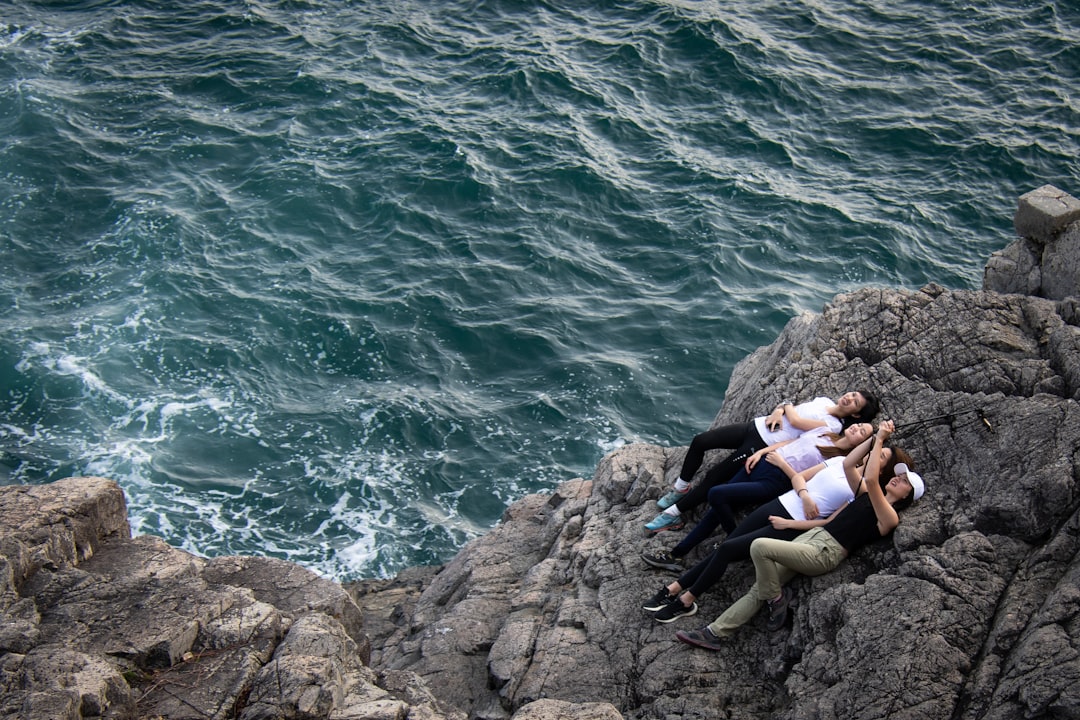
658 601
674 610
703 638
778 610
663 560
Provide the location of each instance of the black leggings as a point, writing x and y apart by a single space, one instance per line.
743 438
698 579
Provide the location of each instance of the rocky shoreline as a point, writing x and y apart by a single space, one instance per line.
971 610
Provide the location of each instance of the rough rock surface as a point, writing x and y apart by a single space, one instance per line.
94 623
1045 259
969 611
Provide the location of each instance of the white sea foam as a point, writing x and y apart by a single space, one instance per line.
344 307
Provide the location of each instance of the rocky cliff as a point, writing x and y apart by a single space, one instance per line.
970 610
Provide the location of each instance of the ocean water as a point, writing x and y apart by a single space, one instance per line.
338 281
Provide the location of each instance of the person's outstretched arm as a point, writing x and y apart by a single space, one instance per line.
886 514
851 465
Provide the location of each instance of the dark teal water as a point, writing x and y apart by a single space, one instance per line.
336 282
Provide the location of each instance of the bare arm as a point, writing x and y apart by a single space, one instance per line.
798 421
782 523
756 457
798 482
851 464
775 419
887 519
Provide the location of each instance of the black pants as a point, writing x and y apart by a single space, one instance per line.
704 575
743 438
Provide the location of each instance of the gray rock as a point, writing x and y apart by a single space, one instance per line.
1045 260
1061 265
1015 269
96 624
559 710
1044 213
292 589
968 611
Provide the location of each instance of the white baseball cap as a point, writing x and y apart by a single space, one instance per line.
913 477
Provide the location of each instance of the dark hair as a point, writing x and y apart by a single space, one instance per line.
831 451
870 409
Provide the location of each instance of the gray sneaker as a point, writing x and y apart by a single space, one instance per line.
778 610
662 560
703 638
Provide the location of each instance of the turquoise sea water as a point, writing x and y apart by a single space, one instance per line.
338 281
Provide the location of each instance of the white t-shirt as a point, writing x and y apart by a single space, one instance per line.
816 409
829 488
803 453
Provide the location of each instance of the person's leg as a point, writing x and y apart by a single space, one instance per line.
724 471
741 612
745 441
712 519
732 468
712 568
759 518
703 530
771 576
723 437
759 488
707 573
727 468
814 552
689 577
669 519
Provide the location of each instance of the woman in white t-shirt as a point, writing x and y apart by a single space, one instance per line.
786 422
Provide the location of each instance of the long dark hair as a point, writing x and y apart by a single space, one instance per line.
870 409
831 451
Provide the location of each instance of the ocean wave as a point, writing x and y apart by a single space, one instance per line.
338 282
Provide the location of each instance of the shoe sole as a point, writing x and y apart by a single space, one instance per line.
657 605
692 610
680 635
653 533
671 567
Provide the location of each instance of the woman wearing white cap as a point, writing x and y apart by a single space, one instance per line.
872 515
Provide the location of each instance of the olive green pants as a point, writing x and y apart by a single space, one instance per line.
815 552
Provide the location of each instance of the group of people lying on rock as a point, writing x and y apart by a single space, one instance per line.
828 483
